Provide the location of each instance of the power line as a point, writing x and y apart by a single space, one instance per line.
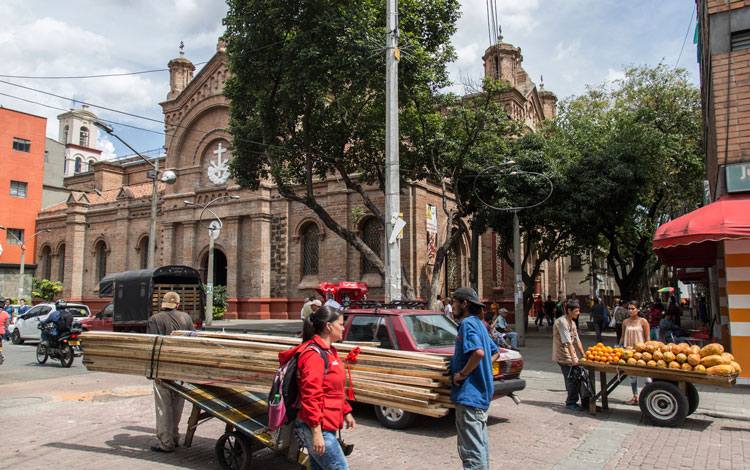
686 36
76 77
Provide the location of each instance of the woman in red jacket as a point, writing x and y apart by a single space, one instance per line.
324 409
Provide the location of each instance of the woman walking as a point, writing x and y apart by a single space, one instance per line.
635 329
324 409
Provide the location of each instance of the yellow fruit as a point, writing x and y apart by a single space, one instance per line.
632 361
694 359
664 347
687 366
658 355
647 356
736 366
720 370
681 358
678 348
622 361
641 362
711 350
669 356
638 356
695 349
727 356
651 363
650 347
714 360
661 363
674 365
640 347
699 368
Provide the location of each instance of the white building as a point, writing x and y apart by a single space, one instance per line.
79 135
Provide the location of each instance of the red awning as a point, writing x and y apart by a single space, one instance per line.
689 275
691 239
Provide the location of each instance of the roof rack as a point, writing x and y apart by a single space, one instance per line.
393 304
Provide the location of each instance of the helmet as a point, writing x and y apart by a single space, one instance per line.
60 305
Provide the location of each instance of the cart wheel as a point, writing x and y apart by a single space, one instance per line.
663 403
692 396
233 451
394 418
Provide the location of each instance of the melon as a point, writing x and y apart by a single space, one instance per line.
669 356
695 349
714 360
651 363
638 356
674 365
650 347
694 359
721 370
699 368
622 361
647 356
632 361
678 349
711 349
640 362
661 363
681 358
640 347
687 366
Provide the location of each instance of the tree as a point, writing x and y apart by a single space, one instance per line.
307 94
45 289
637 148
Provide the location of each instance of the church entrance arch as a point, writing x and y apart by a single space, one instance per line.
220 268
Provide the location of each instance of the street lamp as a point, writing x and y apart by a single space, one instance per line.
518 278
213 233
168 177
23 256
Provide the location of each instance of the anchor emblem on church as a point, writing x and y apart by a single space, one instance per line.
218 170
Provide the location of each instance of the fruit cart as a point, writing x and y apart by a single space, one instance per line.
245 415
667 401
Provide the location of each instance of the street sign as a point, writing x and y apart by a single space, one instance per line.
738 177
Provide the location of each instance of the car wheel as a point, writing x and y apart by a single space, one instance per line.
394 418
66 356
17 337
41 353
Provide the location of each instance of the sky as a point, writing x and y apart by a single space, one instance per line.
571 43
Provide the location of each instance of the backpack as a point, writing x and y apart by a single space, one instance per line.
284 399
65 323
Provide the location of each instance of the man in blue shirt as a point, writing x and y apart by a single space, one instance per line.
331 302
502 327
472 386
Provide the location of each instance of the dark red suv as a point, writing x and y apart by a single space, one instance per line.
422 331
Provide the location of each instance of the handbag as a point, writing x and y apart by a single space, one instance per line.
613 322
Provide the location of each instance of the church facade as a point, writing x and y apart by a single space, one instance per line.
270 252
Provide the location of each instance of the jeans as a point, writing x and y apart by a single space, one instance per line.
572 386
333 457
473 439
512 338
600 324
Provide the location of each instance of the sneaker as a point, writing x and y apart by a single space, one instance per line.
575 407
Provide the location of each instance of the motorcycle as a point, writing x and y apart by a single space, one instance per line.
58 348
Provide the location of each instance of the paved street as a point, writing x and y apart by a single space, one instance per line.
96 420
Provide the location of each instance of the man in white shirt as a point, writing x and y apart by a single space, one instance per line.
448 308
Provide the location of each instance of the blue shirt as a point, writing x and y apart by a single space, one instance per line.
333 303
501 324
478 388
53 317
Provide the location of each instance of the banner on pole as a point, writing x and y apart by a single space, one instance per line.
432 228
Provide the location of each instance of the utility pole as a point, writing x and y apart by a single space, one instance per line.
392 190
518 291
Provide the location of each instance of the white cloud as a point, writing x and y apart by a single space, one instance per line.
614 75
107 147
566 52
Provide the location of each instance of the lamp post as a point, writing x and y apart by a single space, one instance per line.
168 177
520 323
213 232
23 256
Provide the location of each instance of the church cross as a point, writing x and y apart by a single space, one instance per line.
219 151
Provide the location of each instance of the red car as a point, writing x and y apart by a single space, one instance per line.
102 321
422 331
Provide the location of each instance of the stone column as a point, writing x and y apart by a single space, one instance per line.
234 264
166 245
188 244
75 254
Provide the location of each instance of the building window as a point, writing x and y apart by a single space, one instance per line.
18 189
22 145
575 263
61 266
372 236
66 129
310 238
78 165
14 236
46 262
84 140
46 156
741 40
143 252
101 260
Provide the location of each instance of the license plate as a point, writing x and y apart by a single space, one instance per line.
495 368
74 343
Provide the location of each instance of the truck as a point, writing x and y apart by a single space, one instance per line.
136 295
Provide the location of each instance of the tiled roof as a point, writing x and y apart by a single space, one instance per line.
134 191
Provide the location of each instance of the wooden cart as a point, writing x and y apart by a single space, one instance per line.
246 418
667 401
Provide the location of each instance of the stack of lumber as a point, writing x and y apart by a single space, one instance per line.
415 382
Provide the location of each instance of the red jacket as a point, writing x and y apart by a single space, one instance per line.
322 397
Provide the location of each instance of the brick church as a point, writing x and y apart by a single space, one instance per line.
271 252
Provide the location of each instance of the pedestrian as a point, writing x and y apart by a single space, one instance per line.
538 310
4 321
324 409
502 326
8 308
439 307
635 329
168 403
598 318
653 316
448 308
621 313
703 311
674 309
472 387
331 302
310 307
549 310
565 341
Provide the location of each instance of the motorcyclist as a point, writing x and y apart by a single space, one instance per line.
62 320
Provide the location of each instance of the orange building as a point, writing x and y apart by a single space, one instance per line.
22 143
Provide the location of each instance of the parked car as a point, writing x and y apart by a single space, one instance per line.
102 321
27 325
422 331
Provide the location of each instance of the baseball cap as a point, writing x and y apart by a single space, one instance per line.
503 310
469 294
170 300
316 302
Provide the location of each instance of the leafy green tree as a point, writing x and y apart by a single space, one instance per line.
637 152
308 95
45 289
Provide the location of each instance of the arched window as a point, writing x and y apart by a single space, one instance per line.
90 165
61 265
310 237
84 140
101 260
372 235
46 262
66 130
143 252
78 165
